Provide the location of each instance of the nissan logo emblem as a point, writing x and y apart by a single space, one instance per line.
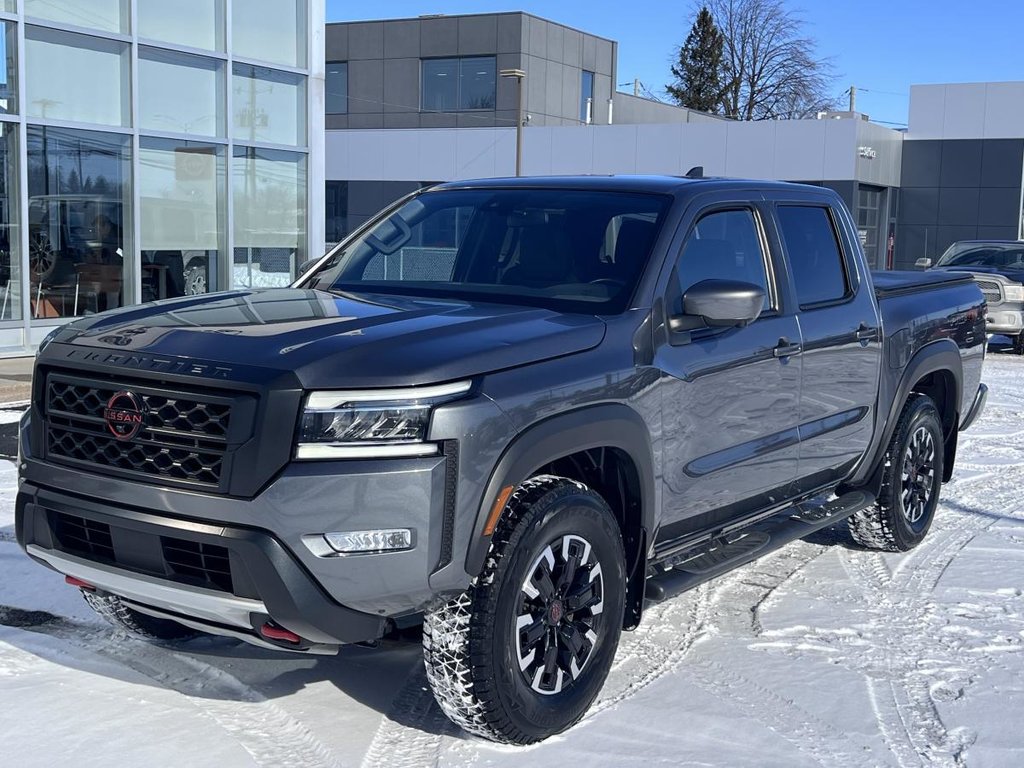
124 415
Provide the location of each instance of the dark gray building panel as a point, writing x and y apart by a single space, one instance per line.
957 189
958 206
921 163
961 163
438 37
1002 161
402 39
919 206
366 40
478 35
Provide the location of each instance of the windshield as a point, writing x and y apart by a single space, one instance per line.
999 255
566 250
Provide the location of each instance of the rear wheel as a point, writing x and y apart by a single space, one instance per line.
114 610
910 483
522 654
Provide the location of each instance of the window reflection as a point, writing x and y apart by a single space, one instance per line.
270 216
78 189
451 85
180 197
10 261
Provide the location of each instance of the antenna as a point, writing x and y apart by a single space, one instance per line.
697 172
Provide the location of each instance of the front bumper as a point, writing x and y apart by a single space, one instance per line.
125 553
1005 320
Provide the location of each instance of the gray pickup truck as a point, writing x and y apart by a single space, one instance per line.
503 409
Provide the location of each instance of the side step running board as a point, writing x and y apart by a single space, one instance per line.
713 557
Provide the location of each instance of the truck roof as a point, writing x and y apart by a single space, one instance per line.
625 183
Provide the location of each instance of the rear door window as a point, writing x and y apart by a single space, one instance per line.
819 269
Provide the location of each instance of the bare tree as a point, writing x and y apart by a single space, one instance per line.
770 67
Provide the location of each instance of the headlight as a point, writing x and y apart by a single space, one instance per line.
372 423
1013 292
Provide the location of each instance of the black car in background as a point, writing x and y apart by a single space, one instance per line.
998 267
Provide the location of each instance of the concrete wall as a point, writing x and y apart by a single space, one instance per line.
967 111
384 69
798 149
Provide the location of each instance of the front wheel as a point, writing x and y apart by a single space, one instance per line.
911 481
522 654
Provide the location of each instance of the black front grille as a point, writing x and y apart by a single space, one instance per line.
183 437
88 538
195 563
206 565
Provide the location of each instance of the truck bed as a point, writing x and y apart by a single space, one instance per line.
896 283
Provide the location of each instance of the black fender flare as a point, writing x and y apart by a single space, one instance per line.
936 356
611 425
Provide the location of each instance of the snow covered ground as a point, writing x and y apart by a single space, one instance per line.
817 655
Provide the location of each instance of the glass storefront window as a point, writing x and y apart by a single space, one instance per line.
193 23
181 212
10 240
79 222
77 78
180 93
107 15
270 106
270 30
269 188
8 68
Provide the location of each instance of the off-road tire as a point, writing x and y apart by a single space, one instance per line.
1018 344
470 644
140 625
884 526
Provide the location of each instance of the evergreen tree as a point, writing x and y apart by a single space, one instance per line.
698 72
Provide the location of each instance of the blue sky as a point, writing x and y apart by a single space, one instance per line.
882 46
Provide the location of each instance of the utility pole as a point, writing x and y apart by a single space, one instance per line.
520 76
853 98
636 86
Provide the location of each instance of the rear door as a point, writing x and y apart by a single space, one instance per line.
841 331
730 396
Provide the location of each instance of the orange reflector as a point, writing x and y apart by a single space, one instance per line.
499 505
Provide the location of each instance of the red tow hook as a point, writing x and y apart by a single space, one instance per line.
272 632
79 583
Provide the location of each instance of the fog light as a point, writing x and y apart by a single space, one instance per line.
386 540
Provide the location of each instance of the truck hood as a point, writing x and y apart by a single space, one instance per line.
330 340
1016 275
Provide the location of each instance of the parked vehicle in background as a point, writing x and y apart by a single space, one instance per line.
998 268
503 409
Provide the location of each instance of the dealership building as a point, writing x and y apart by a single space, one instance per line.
411 102
151 148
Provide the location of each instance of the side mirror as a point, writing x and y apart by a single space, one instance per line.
720 304
923 263
305 266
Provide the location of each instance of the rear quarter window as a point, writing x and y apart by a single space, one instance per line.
819 269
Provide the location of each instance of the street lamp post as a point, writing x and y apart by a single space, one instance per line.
519 75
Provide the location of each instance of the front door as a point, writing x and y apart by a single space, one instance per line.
730 396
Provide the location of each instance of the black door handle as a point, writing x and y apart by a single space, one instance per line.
785 349
864 333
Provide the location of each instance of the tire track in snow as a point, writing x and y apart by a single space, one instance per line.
415 732
269 734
